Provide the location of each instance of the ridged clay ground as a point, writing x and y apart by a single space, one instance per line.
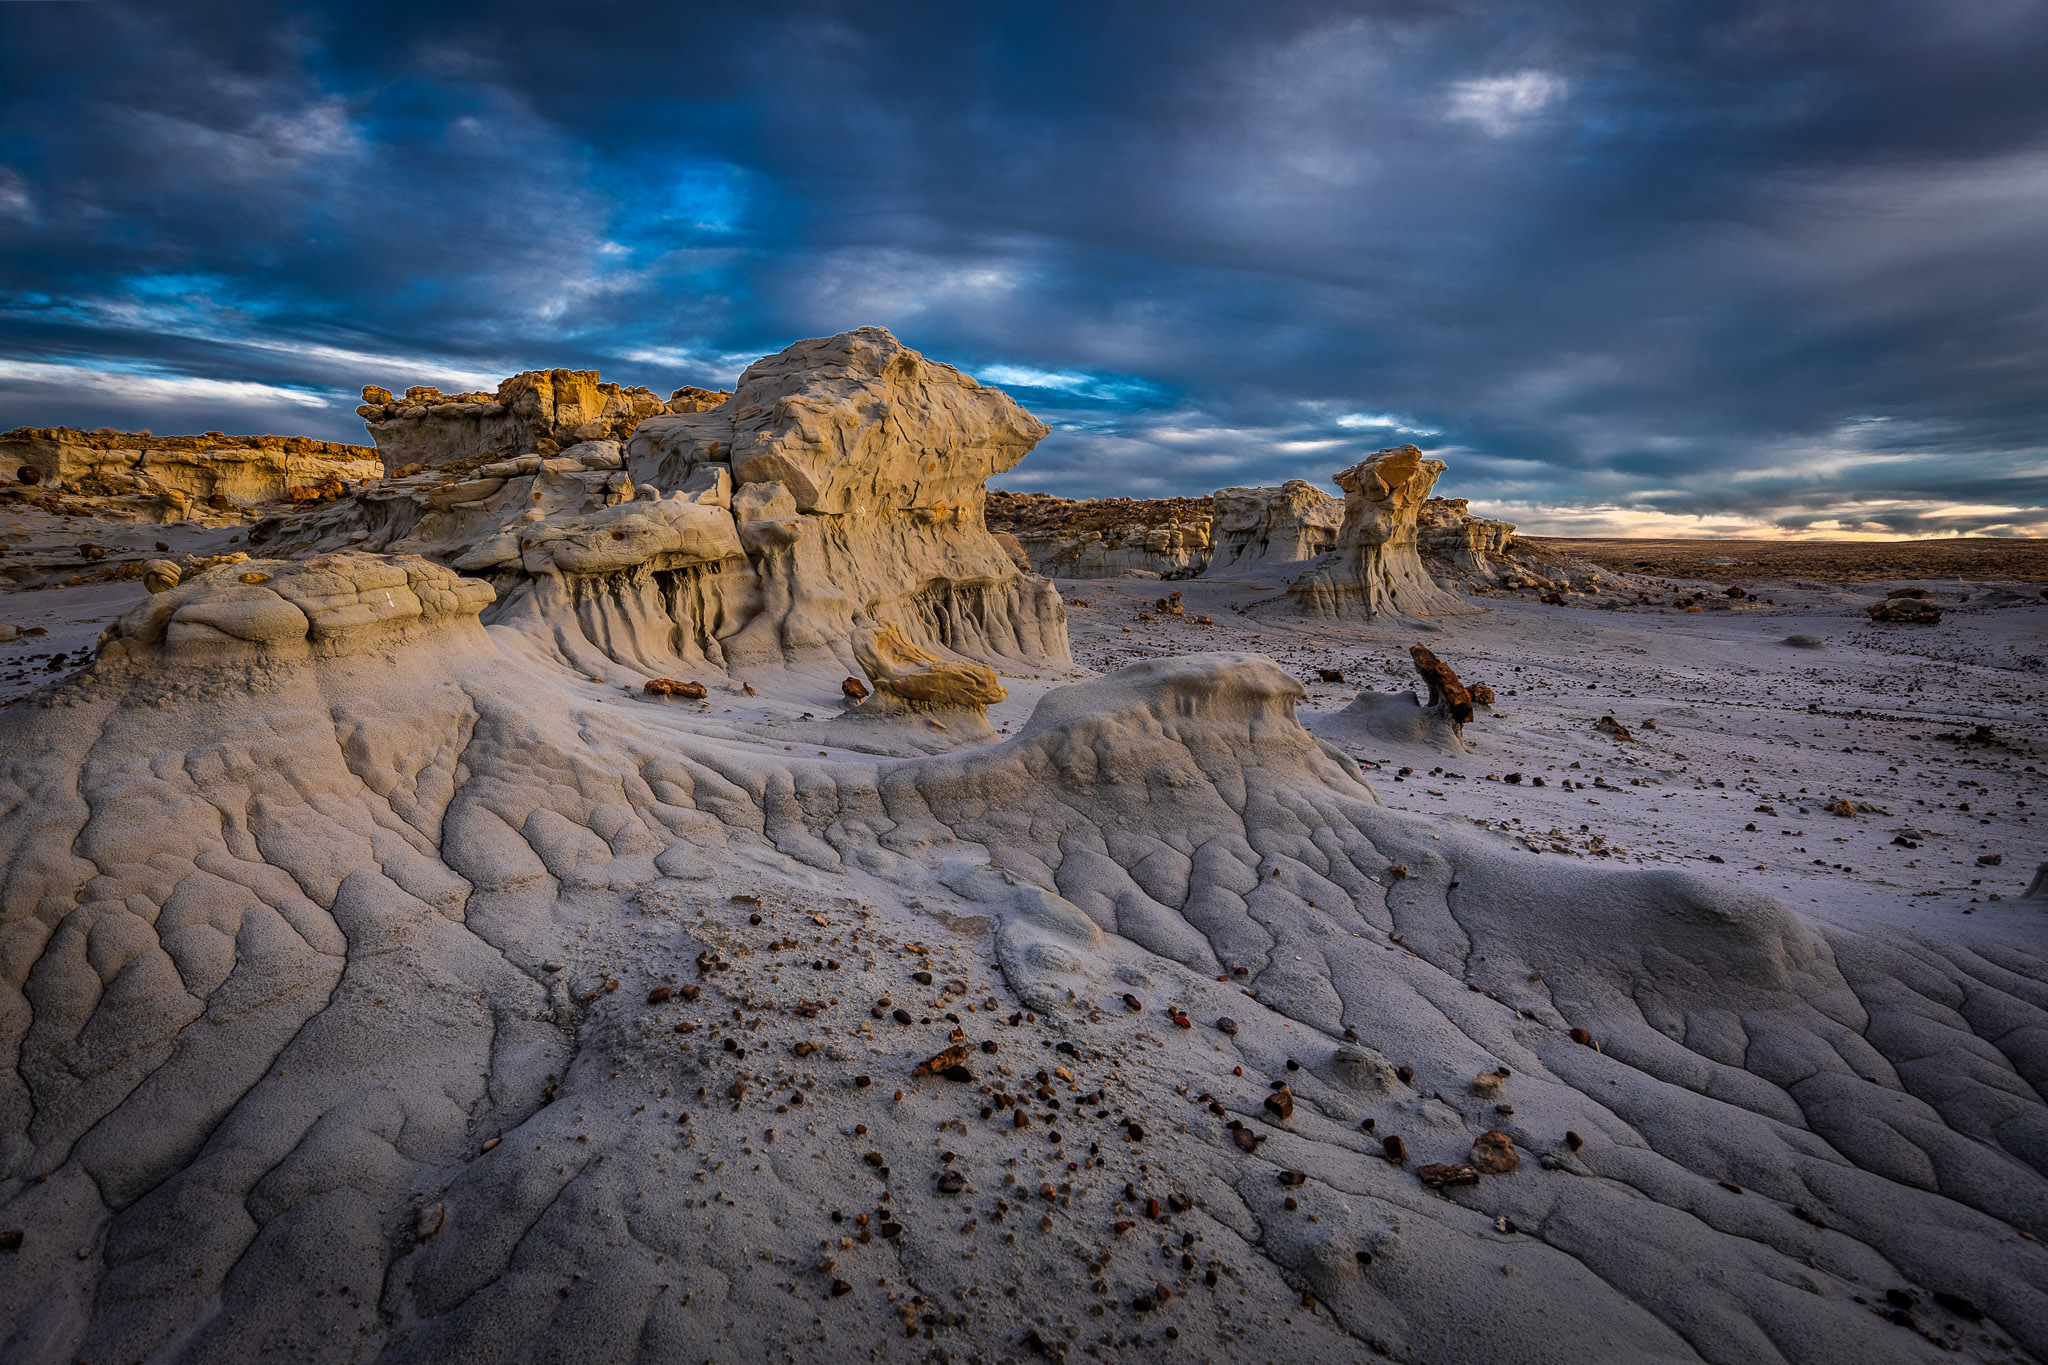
378 989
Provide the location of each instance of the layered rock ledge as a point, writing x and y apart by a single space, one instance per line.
210 477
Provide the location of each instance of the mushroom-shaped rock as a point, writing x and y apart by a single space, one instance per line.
1375 569
907 674
844 423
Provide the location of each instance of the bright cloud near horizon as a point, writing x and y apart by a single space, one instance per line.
1715 270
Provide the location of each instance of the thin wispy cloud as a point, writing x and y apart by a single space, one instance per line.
1501 104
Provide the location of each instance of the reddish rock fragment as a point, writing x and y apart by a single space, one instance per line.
1494 1153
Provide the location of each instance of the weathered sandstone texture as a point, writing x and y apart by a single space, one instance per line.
1272 530
1446 529
538 411
142 477
843 479
916 678
1375 569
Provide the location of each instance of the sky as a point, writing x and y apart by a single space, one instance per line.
1634 267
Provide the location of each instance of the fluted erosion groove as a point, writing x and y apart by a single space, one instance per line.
374 992
844 478
1376 569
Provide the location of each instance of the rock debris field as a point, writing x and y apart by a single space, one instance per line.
394 971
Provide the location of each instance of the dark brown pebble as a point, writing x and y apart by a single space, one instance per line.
1281 1104
922 978
1574 1141
1406 1073
1227 1025
1132 1002
840 1287
1582 1038
952 1182
690 992
861 1081
1293 1177
1136 1131
659 994
989 1047
1394 1149
901 1016
957 1073
1247 1140
1438 1174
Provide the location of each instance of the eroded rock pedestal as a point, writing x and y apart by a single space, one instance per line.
1272 530
1375 569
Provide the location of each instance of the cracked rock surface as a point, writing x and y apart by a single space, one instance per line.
379 989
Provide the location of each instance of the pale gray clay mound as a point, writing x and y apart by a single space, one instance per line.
381 987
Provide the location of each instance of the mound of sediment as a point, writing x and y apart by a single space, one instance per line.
374 995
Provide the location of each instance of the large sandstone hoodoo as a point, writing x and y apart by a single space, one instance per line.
1375 569
844 478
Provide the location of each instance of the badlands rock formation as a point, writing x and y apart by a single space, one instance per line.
540 411
379 985
1272 530
1375 569
1446 529
842 480
211 478
1106 537
1262 534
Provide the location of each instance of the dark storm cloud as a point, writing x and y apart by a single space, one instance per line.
1743 264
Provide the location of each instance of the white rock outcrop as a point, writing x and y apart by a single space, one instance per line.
1447 530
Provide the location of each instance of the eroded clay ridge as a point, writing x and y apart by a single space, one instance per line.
374 995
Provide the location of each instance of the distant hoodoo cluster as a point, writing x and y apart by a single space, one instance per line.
1378 550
